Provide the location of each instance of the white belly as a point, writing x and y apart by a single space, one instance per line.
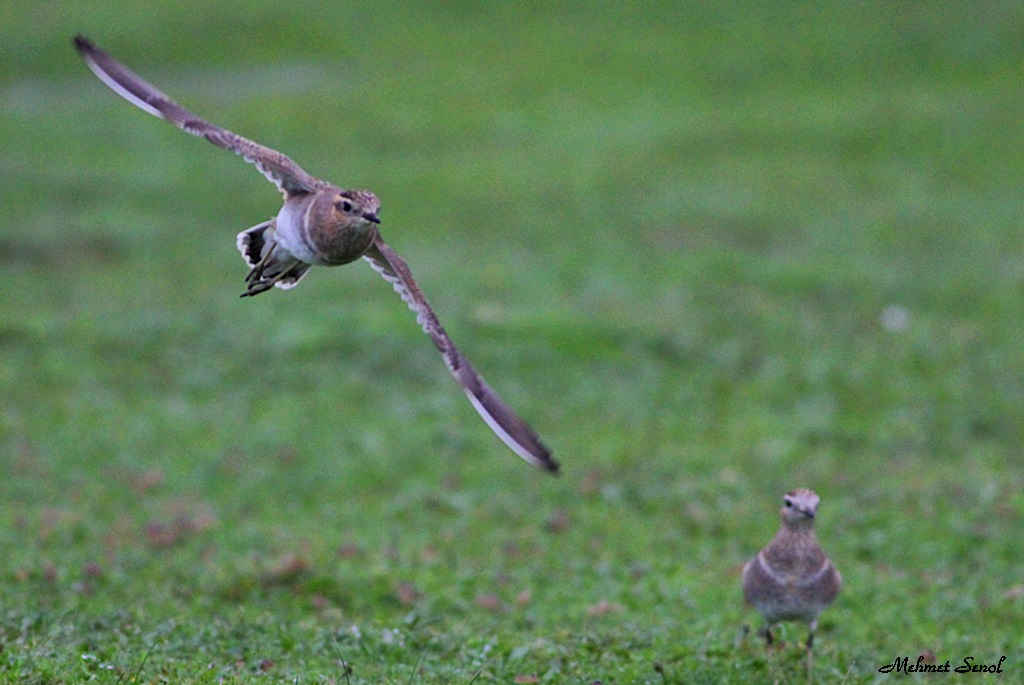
290 220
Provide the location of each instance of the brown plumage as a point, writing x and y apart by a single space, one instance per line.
320 224
791 578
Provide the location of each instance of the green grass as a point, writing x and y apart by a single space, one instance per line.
668 237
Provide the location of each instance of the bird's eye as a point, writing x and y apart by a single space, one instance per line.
789 503
344 206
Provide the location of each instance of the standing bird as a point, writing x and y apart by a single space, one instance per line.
791 578
320 224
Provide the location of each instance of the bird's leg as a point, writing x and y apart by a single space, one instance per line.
261 286
741 636
810 650
767 632
256 272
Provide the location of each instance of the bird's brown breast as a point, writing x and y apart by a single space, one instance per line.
337 238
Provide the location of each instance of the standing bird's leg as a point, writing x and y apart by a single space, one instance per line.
810 650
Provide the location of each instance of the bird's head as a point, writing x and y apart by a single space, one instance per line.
799 507
356 206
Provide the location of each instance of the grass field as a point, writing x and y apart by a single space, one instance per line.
711 254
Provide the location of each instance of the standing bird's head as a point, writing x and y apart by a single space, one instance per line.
799 508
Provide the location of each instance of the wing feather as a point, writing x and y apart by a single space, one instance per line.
505 423
278 168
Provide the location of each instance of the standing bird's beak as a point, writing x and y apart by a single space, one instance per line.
370 216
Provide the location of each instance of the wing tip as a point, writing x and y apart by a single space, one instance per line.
551 466
546 462
82 44
536 454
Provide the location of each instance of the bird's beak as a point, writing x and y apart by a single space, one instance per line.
808 513
370 216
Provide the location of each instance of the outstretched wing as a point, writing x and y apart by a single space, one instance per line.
512 430
283 172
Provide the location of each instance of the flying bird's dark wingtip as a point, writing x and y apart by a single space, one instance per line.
551 466
82 44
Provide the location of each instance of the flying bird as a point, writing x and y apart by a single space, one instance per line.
320 224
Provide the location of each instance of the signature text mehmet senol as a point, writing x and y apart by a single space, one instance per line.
969 666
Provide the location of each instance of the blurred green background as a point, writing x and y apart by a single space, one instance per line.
712 252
